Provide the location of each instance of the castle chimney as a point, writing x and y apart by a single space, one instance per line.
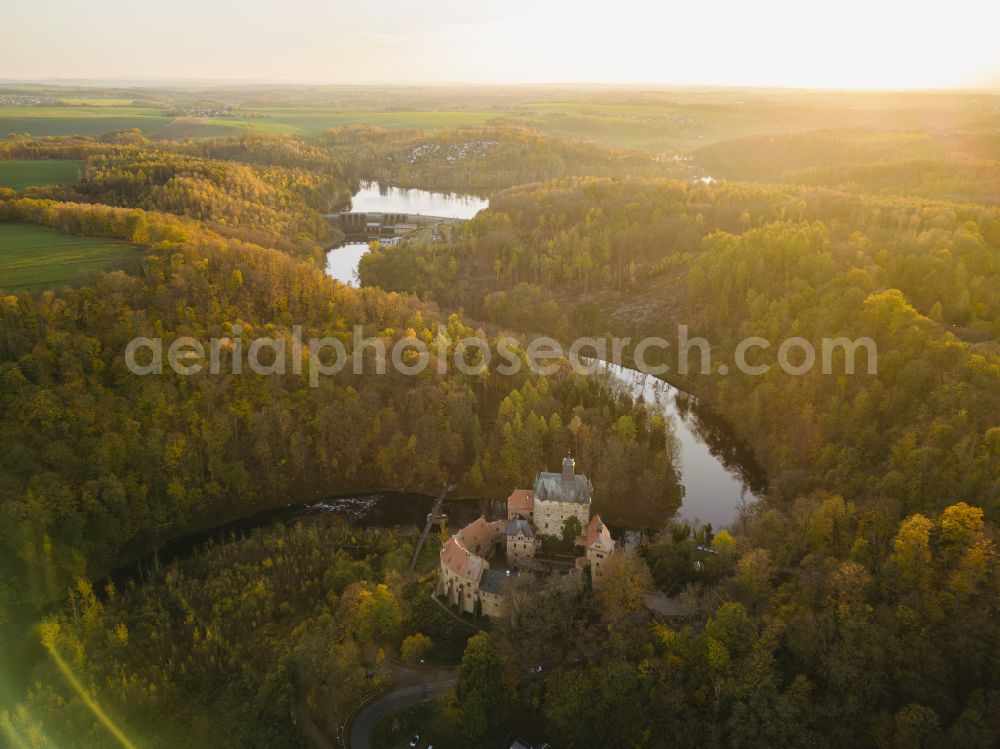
569 468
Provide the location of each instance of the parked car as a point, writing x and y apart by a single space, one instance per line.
414 741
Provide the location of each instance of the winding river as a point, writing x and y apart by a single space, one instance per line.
717 471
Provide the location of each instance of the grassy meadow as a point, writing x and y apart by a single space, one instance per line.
88 120
33 258
19 174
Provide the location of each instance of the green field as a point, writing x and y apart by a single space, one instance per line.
663 120
213 127
313 120
20 174
83 101
612 125
33 258
97 120
93 120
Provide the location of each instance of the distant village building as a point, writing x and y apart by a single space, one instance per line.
467 580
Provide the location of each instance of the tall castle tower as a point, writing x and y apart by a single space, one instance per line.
559 496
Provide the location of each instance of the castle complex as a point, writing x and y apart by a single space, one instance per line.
467 580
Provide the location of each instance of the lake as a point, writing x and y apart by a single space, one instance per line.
373 198
342 262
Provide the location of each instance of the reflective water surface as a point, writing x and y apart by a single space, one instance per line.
342 262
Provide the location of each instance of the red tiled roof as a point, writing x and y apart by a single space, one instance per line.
479 534
521 500
462 552
599 535
461 561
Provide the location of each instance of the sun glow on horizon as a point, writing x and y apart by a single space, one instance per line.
854 44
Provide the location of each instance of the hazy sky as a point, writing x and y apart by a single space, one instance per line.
848 43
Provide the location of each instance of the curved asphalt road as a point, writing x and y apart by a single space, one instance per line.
361 728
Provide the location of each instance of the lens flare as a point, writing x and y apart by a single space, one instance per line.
89 701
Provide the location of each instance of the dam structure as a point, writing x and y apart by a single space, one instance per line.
369 226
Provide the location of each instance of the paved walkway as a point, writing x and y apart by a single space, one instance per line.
361 728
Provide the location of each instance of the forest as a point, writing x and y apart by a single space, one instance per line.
100 465
918 277
893 460
854 604
482 158
268 191
102 461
